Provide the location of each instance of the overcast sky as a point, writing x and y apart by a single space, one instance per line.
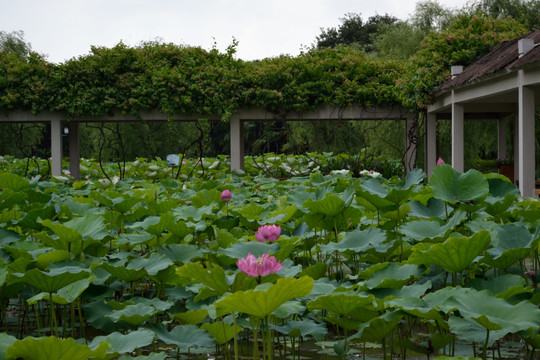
62 29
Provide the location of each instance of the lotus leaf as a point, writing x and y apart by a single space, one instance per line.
5 342
341 304
421 230
379 327
152 264
221 331
512 242
390 275
13 182
450 185
55 279
455 254
357 241
486 310
133 314
192 317
52 347
302 329
184 336
241 249
503 287
120 344
213 277
262 303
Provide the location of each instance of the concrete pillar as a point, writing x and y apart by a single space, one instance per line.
56 147
430 157
411 143
516 146
74 152
526 145
237 143
457 137
501 139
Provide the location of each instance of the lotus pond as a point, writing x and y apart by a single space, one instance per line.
234 266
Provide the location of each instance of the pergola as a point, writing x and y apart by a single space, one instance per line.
324 113
504 83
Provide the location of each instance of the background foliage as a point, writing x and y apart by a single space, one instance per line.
381 60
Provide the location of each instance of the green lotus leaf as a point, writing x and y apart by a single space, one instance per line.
3 274
5 342
331 205
97 315
212 277
289 308
341 304
414 290
416 307
471 330
119 343
420 230
184 336
357 241
133 314
133 239
55 279
192 213
455 254
88 226
241 249
315 271
124 203
444 357
151 356
500 188
379 327
512 242
302 329
153 264
262 303
221 331
192 317
452 186
485 309
503 287
13 182
206 197
65 295
52 347
32 219
434 208
391 275
53 256
123 273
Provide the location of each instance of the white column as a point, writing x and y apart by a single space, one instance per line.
430 157
516 145
526 141
411 143
457 137
237 143
74 152
501 139
56 147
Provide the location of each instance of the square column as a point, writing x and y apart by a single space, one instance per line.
56 147
457 137
501 139
430 157
526 146
74 152
237 143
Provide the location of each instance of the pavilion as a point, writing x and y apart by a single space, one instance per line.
505 83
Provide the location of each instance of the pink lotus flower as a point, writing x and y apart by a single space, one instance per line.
440 161
226 195
262 266
268 233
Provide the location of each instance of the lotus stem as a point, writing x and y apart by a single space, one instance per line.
484 352
235 341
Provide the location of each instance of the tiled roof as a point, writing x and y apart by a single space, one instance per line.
502 57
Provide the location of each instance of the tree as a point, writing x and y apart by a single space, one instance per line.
525 12
14 43
353 31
